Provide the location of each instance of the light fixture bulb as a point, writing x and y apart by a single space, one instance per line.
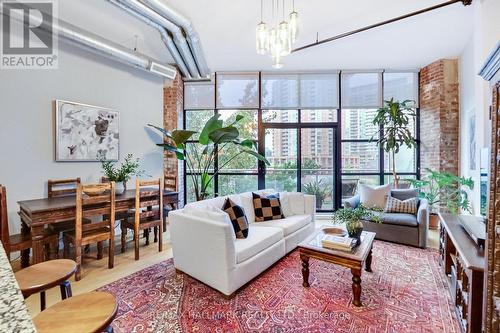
286 45
294 26
262 38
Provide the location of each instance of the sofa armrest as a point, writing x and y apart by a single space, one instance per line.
423 222
310 205
200 245
352 202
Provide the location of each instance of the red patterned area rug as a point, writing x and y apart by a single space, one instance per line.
405 293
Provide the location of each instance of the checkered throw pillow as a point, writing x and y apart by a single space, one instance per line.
237 217
267 208
394 205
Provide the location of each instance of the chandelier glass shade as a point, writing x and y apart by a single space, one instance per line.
277 39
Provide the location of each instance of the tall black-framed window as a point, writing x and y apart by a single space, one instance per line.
315 129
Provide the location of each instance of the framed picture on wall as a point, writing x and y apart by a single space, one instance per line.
86 132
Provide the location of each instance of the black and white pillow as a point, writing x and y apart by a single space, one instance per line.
394 205
267 208
237 217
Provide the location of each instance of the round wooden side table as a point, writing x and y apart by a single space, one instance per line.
45 275
85 313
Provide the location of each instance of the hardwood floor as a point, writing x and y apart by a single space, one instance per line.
96 273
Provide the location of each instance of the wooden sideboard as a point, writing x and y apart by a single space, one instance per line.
463 263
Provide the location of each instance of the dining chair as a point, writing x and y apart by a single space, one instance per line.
57 188
148 213
98 201
21 242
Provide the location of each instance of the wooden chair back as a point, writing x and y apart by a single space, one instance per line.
62 187
88 206
4 220
148 200
170 183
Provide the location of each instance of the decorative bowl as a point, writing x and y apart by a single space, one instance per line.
335 231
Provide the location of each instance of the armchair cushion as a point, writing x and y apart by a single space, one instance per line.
374 197
395 205
259 238
404 194
352 202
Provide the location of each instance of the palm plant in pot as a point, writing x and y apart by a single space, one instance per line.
443 190
393 119
216 139
320 190
122 174
352 218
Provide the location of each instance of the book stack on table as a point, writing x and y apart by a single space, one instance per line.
341 243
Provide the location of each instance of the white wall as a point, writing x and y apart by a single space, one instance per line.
26 118
474 91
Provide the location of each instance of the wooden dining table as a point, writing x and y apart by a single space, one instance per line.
38 213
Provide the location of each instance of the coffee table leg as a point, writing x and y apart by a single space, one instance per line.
305 270
356 286
368 263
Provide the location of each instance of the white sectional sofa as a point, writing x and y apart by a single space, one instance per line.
206 248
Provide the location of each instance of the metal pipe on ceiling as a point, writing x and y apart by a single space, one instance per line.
179 39
192 36
376 25
172 48
97 44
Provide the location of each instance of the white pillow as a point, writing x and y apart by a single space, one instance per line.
292 203
208 212
373 197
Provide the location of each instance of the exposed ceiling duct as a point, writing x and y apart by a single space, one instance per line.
99 45
185 24
164 36
178 35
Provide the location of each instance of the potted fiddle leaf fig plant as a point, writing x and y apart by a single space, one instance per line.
393 119
443 190
122 174
215 139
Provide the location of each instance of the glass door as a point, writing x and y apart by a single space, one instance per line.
303 158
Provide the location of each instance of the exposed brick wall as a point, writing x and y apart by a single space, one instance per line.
173 95
439 116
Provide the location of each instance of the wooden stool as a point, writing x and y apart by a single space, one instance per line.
43 276
90 312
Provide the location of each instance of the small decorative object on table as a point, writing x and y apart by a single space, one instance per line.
129 168
352 218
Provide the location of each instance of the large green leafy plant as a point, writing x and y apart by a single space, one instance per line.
320 190
444 190
215 140
393 120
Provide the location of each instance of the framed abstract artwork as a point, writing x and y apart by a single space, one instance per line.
86 133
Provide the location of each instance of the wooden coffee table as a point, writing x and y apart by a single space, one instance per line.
362 254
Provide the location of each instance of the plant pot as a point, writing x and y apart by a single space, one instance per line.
433 221
355 229
120 187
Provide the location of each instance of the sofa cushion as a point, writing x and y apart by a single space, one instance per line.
292 203
404 194
267 208
402 219
289 224
238 218
374 197
395 205
259 238
207 212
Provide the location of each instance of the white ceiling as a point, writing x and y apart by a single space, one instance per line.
227 32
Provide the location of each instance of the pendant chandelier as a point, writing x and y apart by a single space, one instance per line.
277 39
